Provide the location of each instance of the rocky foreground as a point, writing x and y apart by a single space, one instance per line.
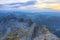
24 29
36 32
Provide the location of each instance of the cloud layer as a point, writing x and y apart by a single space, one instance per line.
12 1
30 4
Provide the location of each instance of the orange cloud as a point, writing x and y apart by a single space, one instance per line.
54 6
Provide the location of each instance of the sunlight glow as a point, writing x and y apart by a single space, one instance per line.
53 6
45 4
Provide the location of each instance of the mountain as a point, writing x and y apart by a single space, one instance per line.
25 27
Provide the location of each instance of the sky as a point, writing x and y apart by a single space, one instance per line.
30 4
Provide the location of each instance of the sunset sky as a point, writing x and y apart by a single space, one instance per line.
31 4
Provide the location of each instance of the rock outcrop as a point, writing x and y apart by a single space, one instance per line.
36 32
45 34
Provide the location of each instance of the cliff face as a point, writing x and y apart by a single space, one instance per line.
44 34
24 29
